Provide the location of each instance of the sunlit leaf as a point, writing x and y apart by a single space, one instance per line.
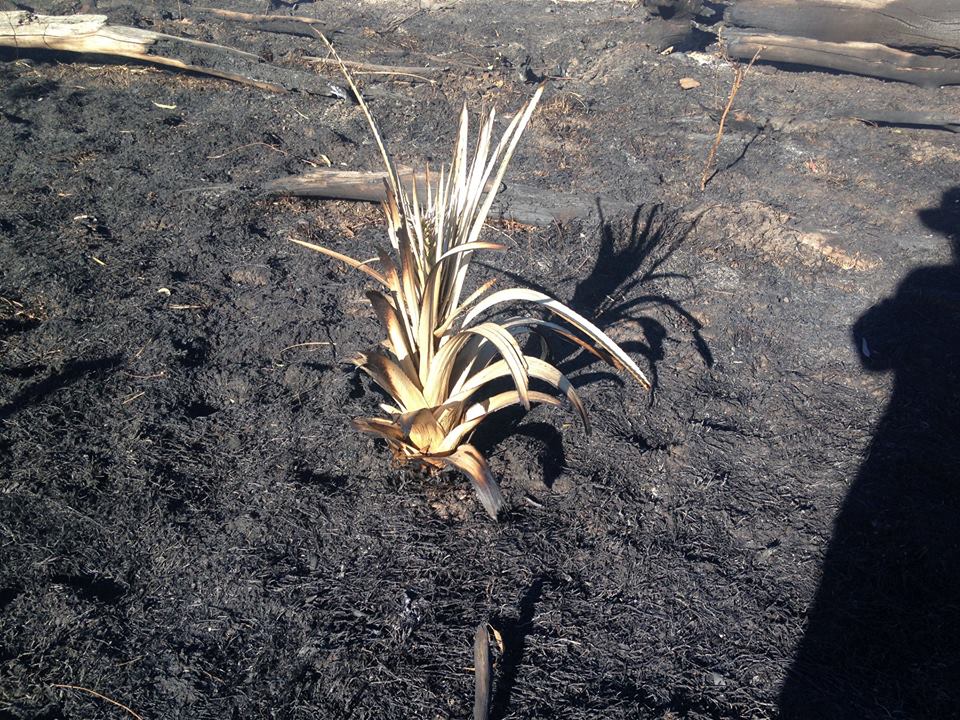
471 463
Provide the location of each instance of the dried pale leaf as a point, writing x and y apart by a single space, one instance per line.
502 155
385 429
466 352
427 323
520 324
468 460
388 375
470 247
390 273
473 297
400 344
537 368
548 373
571 316
346 259
393 179
422 428
437 382
507 345
449 414
479 411
476 211
498 637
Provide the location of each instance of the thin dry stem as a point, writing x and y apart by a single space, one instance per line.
99 695
738 75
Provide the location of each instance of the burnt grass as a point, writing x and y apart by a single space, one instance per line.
191 528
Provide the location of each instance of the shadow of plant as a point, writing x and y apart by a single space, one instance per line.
631 262
631 258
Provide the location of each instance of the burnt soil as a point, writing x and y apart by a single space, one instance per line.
191 528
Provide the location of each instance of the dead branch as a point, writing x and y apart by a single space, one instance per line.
738 73
481 669
908 119
924 26
91 34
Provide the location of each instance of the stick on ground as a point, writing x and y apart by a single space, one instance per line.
518 203
481 666
101 697
739 72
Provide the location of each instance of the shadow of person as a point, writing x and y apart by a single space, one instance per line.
883 634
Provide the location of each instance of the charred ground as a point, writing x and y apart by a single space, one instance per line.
191 527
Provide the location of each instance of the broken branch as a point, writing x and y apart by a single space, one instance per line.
91 34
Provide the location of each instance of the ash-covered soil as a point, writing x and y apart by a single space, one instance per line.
191 528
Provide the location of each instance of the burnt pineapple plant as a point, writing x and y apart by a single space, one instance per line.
440 356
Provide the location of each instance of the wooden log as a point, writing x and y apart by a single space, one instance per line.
345 184
928 26
92 35
517 203
871 59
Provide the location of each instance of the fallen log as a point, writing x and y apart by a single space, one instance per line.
517 203
92 35
925 26
861 58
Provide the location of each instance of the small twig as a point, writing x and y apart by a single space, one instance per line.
146 345
373 67
242 147
102 697
738 74
305 344
399 74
